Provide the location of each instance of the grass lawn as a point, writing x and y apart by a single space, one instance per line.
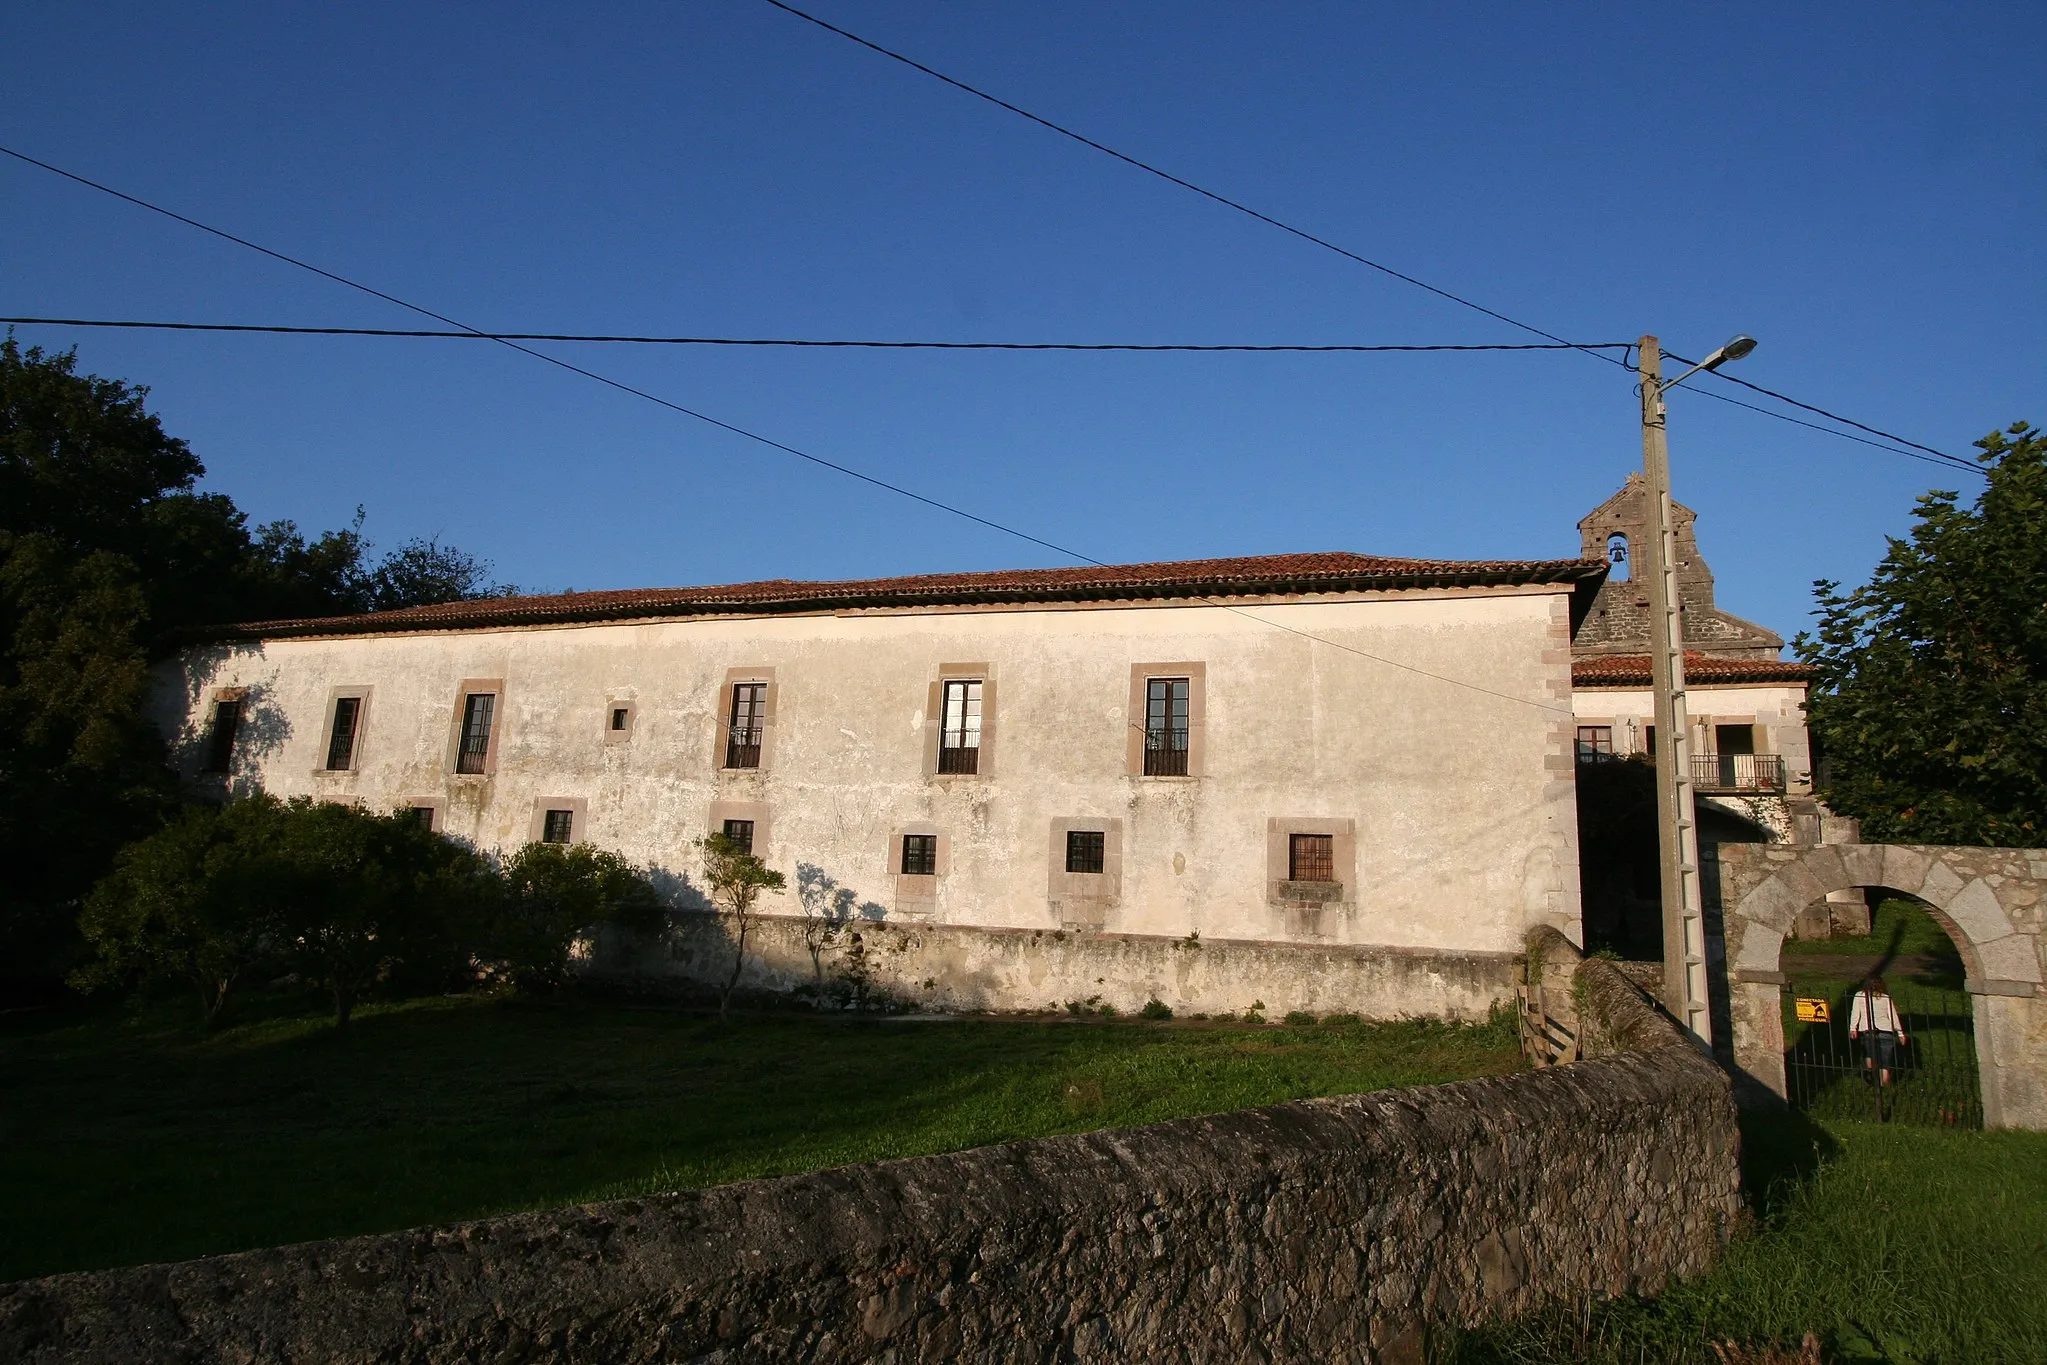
127 1137
1908 1245
1896 926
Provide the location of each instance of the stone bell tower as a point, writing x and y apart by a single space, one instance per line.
1619 620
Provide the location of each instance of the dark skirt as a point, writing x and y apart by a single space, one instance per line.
1881 1046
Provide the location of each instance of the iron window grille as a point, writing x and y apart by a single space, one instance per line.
478 708
1166 705
558 827
1311 858
749 720
959 733
1086 850
220 741
920 855
739 833
341 742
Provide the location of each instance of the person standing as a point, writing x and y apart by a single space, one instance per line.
1874 1019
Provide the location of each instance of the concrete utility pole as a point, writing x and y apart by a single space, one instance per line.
1684 915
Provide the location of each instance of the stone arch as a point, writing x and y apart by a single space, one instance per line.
1990 901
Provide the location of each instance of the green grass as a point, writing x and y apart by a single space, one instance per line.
129 1138
1887 1243
1896 926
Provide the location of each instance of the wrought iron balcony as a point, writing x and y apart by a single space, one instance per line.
960 759
743 746
1738 772
1165 752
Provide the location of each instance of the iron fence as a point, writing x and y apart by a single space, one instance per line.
959 759
1738 772
743 747
1165 752
1933 1070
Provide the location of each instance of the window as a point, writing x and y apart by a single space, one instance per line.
220 741
1311 858
920 855
423 815
558 827
1595 743
477 711
341 739
740 832
749 718
1165 727
1086 850
621 717
959 731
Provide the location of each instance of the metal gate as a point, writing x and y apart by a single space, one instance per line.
1934 1077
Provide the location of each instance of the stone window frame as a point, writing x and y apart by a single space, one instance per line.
1092 894
911 891
437 804
362 693
756 811
1196 673
934 718
239 695
631 707
1281 890
579 825
468 688
721 720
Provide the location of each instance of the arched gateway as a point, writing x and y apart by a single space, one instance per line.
1990 900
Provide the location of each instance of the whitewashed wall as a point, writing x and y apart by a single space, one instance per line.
1461 800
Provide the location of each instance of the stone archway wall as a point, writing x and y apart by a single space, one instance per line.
1990 900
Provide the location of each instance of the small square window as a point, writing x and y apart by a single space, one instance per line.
558 827
1311 858
621 717
1595 743
920 855
1086 850
740 832
423 816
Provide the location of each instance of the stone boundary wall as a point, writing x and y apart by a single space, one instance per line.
957 968
1323 1230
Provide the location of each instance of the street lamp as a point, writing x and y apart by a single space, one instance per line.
1684 915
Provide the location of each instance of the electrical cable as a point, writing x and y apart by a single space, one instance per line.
738 430
1345 252
760 341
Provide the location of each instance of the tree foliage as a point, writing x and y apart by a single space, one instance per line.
1930 704
737 878
107 552
556 893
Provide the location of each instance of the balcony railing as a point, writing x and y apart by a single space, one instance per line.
960 759
743 746
1165 753
1738 772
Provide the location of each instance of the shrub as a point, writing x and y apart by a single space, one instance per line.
1299 1018
553 895
1340 1019
1256 1014
1156 1008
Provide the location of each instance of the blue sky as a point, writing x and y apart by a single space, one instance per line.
1861 188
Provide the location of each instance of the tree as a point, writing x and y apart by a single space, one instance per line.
737 879
555 894
1930 702
183 905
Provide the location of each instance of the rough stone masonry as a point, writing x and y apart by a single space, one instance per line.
1323 1230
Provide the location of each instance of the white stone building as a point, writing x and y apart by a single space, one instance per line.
1362 757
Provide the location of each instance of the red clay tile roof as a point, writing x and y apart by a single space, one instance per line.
1259 575
1632 670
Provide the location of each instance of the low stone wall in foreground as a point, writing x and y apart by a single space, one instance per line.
1324 1230
959 967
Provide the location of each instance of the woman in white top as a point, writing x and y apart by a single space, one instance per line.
1874 1019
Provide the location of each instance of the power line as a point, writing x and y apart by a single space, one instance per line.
1323 242
818 460
761 341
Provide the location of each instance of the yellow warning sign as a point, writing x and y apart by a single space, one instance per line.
1812 1012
